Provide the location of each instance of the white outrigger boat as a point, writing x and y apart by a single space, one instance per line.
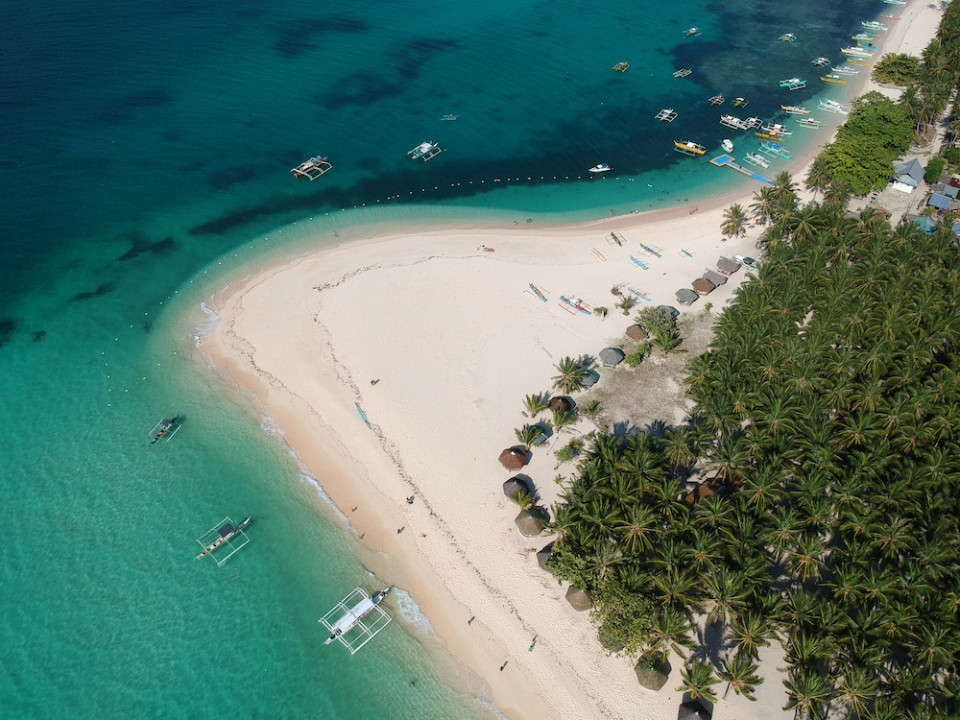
809 123
312 168
733 122
793 84
820 61
352 628
666 115
425 151
165 430
223 535
834 107
873 25
845 70
757 160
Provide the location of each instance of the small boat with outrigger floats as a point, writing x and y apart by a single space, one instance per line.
355 620
223 540
795 109
689 147
165 429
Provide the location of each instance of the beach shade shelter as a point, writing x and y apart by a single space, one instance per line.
686 296
516 484
716 278
727 266
635 332
939 201
579 599
544 554
670 310
514 458
560 403
611 357
702 286
909 174
694 710
529 523
590 378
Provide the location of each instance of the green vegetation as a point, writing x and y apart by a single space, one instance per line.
862 155
661 325
570 377
934 168
637 356
897 69
825 431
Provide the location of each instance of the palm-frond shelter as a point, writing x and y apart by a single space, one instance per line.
514 458
727 266
611 357
702 286
686 296
516 484
716 278
694 710
635 332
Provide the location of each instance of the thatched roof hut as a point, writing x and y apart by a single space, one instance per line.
514 458
727 266
611 356
694 710
702 286
715 277
544 554
579 599
686 296
515 485
590 378
529 523
560 403
635 332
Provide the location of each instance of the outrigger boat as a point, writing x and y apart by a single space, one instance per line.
223 535
601 168
857 52
832 79
352 629
844 70
793 84
788 37
794 109
772 148
165 429
312 168
809 123
621 66
425 151
834 106
691 32
757 160
717 99
450 117
861 38
682 73
689 147
772 131
732 121
740 102
820 61
873 25
666 115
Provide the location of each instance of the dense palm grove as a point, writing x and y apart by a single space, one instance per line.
825 435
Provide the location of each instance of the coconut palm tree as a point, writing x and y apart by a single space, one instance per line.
818 177
698 680
739 671
527 435
762 206
808 693
535 404
563 418
734 222
523 499
570 377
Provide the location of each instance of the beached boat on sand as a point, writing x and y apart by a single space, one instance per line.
689 147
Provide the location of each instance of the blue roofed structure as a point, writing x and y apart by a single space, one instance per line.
939 201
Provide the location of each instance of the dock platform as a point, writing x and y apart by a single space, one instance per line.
730 162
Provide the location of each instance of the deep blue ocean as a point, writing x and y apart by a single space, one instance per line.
147 146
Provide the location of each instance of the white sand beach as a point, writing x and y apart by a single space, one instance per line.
454 338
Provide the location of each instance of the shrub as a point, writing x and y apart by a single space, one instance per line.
635 358
934 169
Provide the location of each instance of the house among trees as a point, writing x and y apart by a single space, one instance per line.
908 176
939 201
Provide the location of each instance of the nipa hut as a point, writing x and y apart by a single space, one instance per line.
516 484
686 296
635 332
579 599
702 286
529 523
514 458
715 277
544 554
560 403
727 266
694 710
611 357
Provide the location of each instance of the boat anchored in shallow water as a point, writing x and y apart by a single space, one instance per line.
165 430
689 147
691 32
601 168
450 117
788 37
833 79
717 99
809 123
756 160
820 61
793 84
355 620
666 115
312 168
834 107
223 540
621 66
727 144
795 109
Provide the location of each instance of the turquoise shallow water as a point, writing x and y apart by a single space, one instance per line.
139 144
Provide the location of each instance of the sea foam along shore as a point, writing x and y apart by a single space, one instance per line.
455 341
